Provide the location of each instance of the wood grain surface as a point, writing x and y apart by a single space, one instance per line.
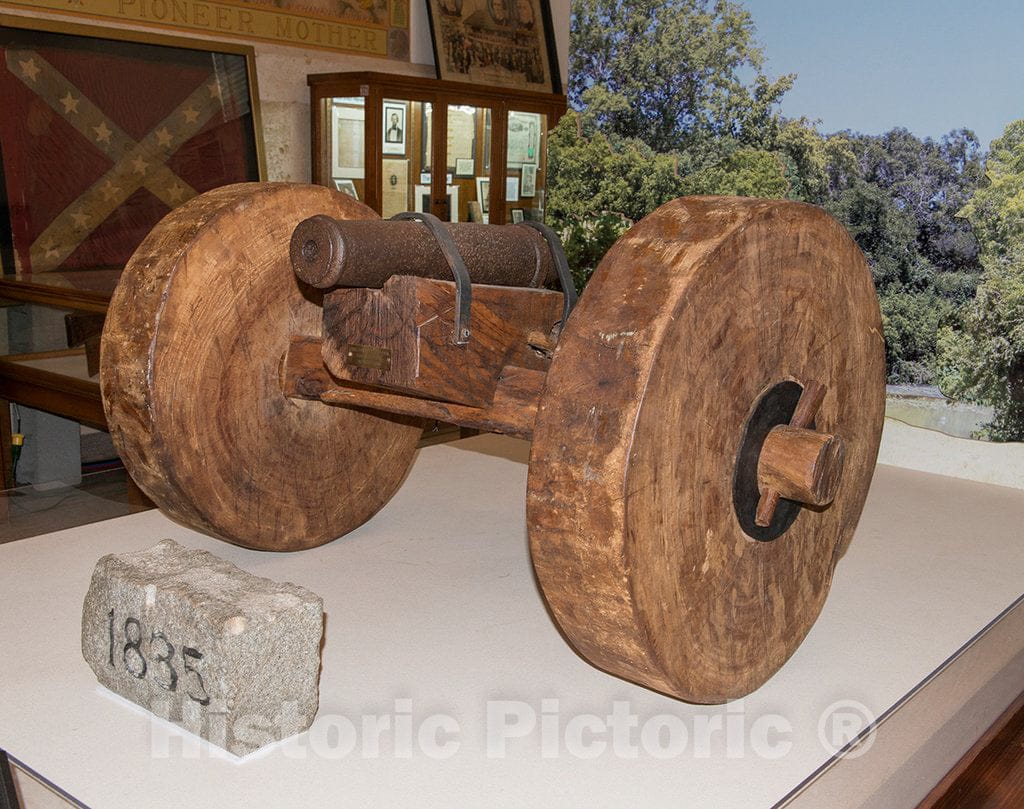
692 316
413 320
512 411
193 345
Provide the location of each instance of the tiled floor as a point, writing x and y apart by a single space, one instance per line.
32 510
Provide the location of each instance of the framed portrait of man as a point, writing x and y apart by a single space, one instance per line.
394 127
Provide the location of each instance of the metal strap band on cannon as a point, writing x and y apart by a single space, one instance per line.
463 286
561 266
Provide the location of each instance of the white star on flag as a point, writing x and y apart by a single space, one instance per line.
81 219
29 69
70 103
163 137
140 165
103 132
191 115
214 89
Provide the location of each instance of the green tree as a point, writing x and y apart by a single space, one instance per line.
680 75
744 173
984 360
997 209
597 190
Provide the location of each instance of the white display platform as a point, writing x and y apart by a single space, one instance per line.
434 602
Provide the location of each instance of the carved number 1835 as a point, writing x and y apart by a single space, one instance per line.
160 664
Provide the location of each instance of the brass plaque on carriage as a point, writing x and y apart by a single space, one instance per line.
373 357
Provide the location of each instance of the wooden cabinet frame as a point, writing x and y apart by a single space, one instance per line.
375 87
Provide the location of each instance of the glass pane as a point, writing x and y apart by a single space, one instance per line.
468 176
525 166
27 328
345 136
405 159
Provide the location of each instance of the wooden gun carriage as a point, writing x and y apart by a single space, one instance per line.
705 419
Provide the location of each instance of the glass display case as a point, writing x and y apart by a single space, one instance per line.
462 152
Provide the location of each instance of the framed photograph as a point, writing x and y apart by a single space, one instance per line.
394 127
346 187
500 43
104 132
529 176
465 167
511 189
347 141
524 131
483 193
517 216
425 177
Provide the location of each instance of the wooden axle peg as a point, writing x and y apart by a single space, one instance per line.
801 465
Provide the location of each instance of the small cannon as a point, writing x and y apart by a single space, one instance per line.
705 421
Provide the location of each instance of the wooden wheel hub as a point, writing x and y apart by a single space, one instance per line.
663 391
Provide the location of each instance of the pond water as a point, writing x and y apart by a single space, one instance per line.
925 406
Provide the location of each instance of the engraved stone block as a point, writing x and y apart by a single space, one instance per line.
232 657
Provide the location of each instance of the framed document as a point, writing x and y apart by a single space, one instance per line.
394 196
395 114
347 141
524 129
511 189
461 134
529 173
465 167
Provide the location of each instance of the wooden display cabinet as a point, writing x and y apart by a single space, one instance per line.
379 136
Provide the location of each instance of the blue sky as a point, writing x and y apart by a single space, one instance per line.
868 65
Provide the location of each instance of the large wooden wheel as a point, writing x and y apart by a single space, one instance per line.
705 319
190 373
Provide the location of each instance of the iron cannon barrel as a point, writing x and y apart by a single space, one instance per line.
327 252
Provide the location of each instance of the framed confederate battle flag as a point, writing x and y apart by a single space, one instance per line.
102 134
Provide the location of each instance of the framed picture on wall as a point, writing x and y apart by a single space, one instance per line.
517 216
395 186
347 187
461 134
423 201
465 167
395 114
501 43
483 193
529 176
426 144
524 131
511 189
347 145
106 131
